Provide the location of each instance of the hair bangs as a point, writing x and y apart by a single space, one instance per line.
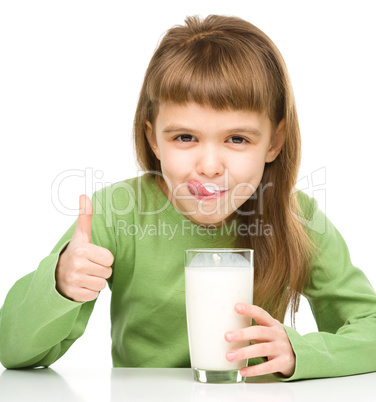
210 71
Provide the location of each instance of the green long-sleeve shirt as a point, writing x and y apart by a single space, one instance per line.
147 236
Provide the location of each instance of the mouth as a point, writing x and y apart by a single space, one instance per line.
205 191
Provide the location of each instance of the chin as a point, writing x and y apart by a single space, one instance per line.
207 220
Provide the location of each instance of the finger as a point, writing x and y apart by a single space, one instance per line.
94 269
249 352
85 295
83 225
94 283
254 334
260 316
77 277
99 255
269 367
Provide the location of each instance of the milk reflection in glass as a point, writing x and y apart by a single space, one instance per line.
215 280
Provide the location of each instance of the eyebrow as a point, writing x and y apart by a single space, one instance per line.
172 128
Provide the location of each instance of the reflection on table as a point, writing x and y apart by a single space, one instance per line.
142 384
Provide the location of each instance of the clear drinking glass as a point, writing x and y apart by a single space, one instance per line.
215 280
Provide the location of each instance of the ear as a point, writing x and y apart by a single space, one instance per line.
151 138
277 141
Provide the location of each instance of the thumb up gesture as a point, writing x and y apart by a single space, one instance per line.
83 267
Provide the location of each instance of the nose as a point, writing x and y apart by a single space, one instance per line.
210 162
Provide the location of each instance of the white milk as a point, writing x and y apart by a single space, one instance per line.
211 295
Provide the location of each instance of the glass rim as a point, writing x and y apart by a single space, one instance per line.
218 250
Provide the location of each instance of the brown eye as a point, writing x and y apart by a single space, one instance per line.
237 140
186 138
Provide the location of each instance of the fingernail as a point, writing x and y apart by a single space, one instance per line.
230 356
240 307
230 336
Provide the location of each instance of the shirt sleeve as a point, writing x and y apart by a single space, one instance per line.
343 303
37 324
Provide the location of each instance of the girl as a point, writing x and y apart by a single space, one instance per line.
217 133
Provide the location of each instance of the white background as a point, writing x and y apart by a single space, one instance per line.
70 75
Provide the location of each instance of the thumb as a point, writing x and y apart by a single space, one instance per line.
83 226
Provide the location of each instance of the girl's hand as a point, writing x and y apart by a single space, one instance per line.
269 340
83 267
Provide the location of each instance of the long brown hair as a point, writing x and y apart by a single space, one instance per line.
228 63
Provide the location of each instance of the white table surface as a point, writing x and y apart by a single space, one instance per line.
142 384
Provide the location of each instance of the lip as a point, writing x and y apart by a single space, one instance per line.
213 188
210 197
205 191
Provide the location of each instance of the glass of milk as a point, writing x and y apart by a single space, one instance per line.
215 280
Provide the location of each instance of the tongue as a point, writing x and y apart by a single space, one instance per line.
196 188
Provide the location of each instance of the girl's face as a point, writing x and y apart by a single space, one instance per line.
212 161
